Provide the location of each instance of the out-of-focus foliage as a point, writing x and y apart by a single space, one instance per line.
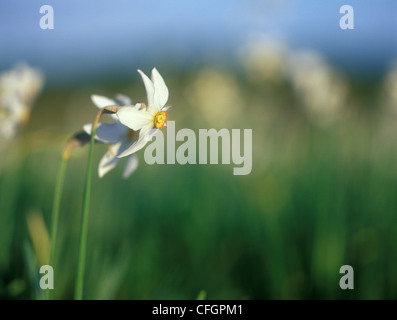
322 192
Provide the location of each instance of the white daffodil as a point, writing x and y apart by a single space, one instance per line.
148 120
116 135
19 88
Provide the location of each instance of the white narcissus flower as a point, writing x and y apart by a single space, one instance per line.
147 119
19 88
116 135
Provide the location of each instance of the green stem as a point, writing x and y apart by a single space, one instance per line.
55 212
78 293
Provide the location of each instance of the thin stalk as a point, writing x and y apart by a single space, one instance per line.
56 205
78 293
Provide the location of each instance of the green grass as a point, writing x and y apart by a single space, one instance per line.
316 199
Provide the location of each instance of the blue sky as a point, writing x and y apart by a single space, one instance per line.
97 37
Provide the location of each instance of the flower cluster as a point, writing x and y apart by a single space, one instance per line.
133 126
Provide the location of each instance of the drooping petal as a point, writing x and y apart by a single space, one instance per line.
125 144
125 100
108 162
160 89
107 132
150 134
137 145
135 118
102 102
131 166
149 89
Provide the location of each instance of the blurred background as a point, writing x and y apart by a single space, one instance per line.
322 104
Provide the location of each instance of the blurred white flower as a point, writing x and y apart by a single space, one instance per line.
116 135
264 57
321 89
216 95
389 89
148 120
19 88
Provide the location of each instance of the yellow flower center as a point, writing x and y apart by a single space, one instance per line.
160 119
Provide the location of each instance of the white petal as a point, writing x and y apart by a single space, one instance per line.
151 133
87 128
125 100
102 102
107 163
131 166
149 89
137 145
135 118
160 89
107 132
165 108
